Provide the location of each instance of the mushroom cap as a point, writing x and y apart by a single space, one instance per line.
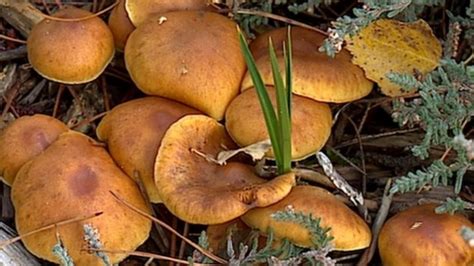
71 179
24 139
419 236
70 52
350 232
133 132
311 122
315 75
172 59
120 25
203 192
141 10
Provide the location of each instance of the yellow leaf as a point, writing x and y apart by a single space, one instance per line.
392 46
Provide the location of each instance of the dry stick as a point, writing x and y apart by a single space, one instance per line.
182 244
191 243
105 93
58 99
47 227
43 2
88 120
16 53
375 136
280 18
362 156
336 152
174 224
164 245
141 254
355 196
11 39
85 17
377 225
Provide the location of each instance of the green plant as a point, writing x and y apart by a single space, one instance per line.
278 123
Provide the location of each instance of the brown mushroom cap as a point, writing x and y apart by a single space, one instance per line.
133 132
173 59
140 10
419 236
120 25
70 52
199 191
25 138
315 75
311 122
71 179
350 232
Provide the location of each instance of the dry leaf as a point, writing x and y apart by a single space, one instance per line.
256 150
392 46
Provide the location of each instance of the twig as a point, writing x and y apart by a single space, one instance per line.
58 99
11 39
280 18
377 225
362 156
47 227
355 196
191 243
182 244
141 254
375 136
12 54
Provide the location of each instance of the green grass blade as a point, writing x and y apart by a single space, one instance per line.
288 53
267 108
284 123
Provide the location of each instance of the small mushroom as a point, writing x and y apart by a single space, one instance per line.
140 10
172 59
350 232
419 236
70 52
24 139
73 178
197 190
315 75
311 122
133 131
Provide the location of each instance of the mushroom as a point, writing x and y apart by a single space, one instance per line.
133 132
70 52
311 122
315 75
350 232
120 25
73 178
197 190
24 139
172 59
419 236
140 10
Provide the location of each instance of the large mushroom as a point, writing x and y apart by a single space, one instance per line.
350 232
171 56
24 139
133 132
70 52
73 178
311 122
315 75
420 236
200 191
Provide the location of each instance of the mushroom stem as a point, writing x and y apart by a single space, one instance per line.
21 14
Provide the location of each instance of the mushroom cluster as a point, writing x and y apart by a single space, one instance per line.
168 141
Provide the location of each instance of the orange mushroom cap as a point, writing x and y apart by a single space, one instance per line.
133 131
203 192
73 178
315 75
350 232
24 139
70 52
311 122
172 59
419 236
120 25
